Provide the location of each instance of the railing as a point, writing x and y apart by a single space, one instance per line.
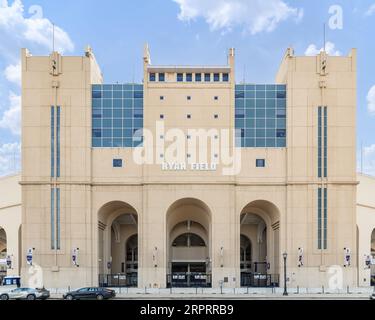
118 280
259 280
188 280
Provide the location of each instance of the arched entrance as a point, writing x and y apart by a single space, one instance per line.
259 244
3 254
118 245
188 243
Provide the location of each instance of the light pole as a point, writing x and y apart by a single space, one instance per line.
285 289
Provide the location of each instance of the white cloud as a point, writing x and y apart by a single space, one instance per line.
17 30
371 100
11 118
253 15
312 50
13 73
9 158
367 159
371 10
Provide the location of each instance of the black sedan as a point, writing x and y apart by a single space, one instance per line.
90 293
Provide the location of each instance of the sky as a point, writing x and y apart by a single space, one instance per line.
185 32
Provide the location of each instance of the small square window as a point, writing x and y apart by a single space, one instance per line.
216 77
161 77
117 163
189 77
216 116
161 97
152 77
216 155
180 77
161 155
260 163
198 77
207 77
216 137
189 116
161 137
216 98
188 155
188 97
188 137
162 116
225 77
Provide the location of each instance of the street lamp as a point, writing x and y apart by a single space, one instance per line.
285 290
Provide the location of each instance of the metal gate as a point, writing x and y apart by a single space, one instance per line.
188 280
259 280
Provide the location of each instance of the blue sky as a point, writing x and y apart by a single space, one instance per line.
183 32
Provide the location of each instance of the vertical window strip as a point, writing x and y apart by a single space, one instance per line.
325 142
58 219
319 218
52 142
325 220
58 143
319 142
52 218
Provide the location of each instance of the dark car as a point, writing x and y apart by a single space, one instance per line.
90 293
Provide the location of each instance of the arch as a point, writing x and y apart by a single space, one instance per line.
3 251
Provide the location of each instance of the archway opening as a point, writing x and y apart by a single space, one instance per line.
118 245
188 243
259 244
3 254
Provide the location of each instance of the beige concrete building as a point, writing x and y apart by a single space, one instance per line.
190 179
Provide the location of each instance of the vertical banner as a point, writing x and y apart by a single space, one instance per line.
347 254
300 257
29 256
75 257
9 262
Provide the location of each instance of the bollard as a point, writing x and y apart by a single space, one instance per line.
347 290
323 289
297 289
145 290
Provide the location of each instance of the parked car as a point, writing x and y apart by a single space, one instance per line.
90 293
25 294
372 297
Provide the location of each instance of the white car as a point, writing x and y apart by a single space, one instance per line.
25 294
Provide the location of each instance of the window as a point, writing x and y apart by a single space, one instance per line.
180 77
52 142
260 163
58 218
280 133
216 116
152 77
188 97
162 116
189 116
207 77
319 142
225 77
58 142
117 163
52 213
216 77
198 77
189 77
161 77
216 98
161 97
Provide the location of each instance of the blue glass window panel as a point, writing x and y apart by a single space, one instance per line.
96 123
260 143
117 94
189 77
161 77
96 94
270 123
250 143
281 87
270 143
281 124
117 142
107 123
107 113
117 123
108 87
128 103
138 113
250 133
249 87
260 123
250 113
281 113
260 103
107 143
117 163
260 133
97 103
270 94
128 113
138 87
240 113
52 142
281 143
96 142
138 94
180 77
96 113
216 77
270 87
271 103
117 103
152 77
128 142
270 113
240 103
58 117
107 103
260 163
260 113
107 95
225 77
117 87
117 113
127 87
207 77
240 87
281 94
127 133
128 94
97 133
260 94
97 87
281 133
250 94
52 216
138 123
117 133
107 133
198 77
240 94
260 87
239 123
250 103
281 103
128 123
138 103
250 123
271 133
